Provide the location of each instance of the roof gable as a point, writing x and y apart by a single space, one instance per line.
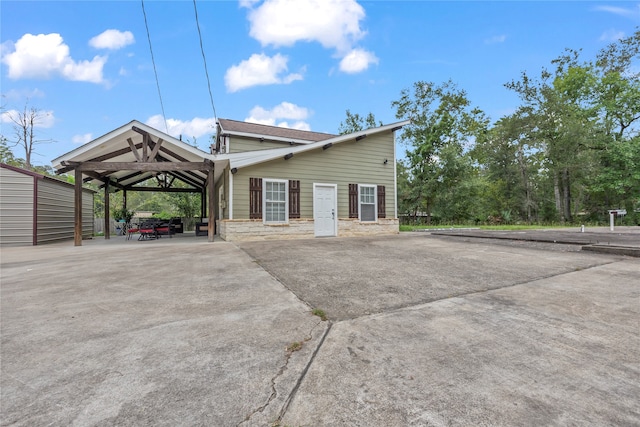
244 159
126 144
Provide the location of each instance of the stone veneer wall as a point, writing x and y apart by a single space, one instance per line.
246 229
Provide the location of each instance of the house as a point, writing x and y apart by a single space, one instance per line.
37 209
286 183
258 181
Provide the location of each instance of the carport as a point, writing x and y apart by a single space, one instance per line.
134 153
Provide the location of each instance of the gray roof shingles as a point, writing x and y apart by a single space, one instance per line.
273 131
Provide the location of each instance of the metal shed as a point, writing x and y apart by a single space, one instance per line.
37 209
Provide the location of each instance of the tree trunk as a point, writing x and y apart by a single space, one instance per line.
525 184
566 194
556 193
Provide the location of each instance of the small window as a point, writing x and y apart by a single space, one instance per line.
367 205
275 201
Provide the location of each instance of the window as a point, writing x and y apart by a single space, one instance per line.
257 194
367 205
275 201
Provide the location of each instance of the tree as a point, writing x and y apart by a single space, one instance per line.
6 155
616 181
355 123
442 127
24 124
509 158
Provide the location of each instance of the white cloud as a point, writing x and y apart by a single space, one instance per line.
194 128
82 139
633 13
332 23
259 69
248 3
112 39
23 94
611 35
495 39
335 24
357 60
45 55
279 115
45 118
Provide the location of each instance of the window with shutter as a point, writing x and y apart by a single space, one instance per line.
381 204
255 198
367 195
294 199
275 198
353 200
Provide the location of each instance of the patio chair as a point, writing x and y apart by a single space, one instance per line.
132 229
147 231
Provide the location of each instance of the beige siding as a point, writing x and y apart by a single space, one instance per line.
56 212
346 163
239 144
222 212
16 208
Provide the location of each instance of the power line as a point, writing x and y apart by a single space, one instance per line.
215 116
164 117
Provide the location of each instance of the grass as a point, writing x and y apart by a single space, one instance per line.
481 227
320 313
294 346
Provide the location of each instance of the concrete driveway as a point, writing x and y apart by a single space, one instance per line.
171 332
423 330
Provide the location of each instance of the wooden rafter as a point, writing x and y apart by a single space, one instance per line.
138 166
101 158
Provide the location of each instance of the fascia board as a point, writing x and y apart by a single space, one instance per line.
92 144
267 137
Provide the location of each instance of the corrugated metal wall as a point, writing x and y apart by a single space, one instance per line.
56 212
16 208
54 209
87 215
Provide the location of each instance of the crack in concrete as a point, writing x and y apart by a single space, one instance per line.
293 392
274 391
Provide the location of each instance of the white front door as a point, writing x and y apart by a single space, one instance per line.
325 209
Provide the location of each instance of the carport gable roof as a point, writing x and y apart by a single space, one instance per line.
130 143
244 159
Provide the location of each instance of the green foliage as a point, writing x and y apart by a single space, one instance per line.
122 214
320 313
355 123
295 346
438 176
570 152
163 215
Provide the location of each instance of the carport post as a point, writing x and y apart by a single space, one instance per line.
107 219
77 232
210 200
203 201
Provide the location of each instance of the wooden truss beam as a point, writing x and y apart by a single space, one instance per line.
137 166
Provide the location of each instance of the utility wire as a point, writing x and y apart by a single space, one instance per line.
215 116
164 117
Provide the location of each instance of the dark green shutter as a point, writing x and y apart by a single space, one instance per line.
382 208
255 198
353 200
294 199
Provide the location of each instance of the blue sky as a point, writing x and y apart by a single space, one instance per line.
87 65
